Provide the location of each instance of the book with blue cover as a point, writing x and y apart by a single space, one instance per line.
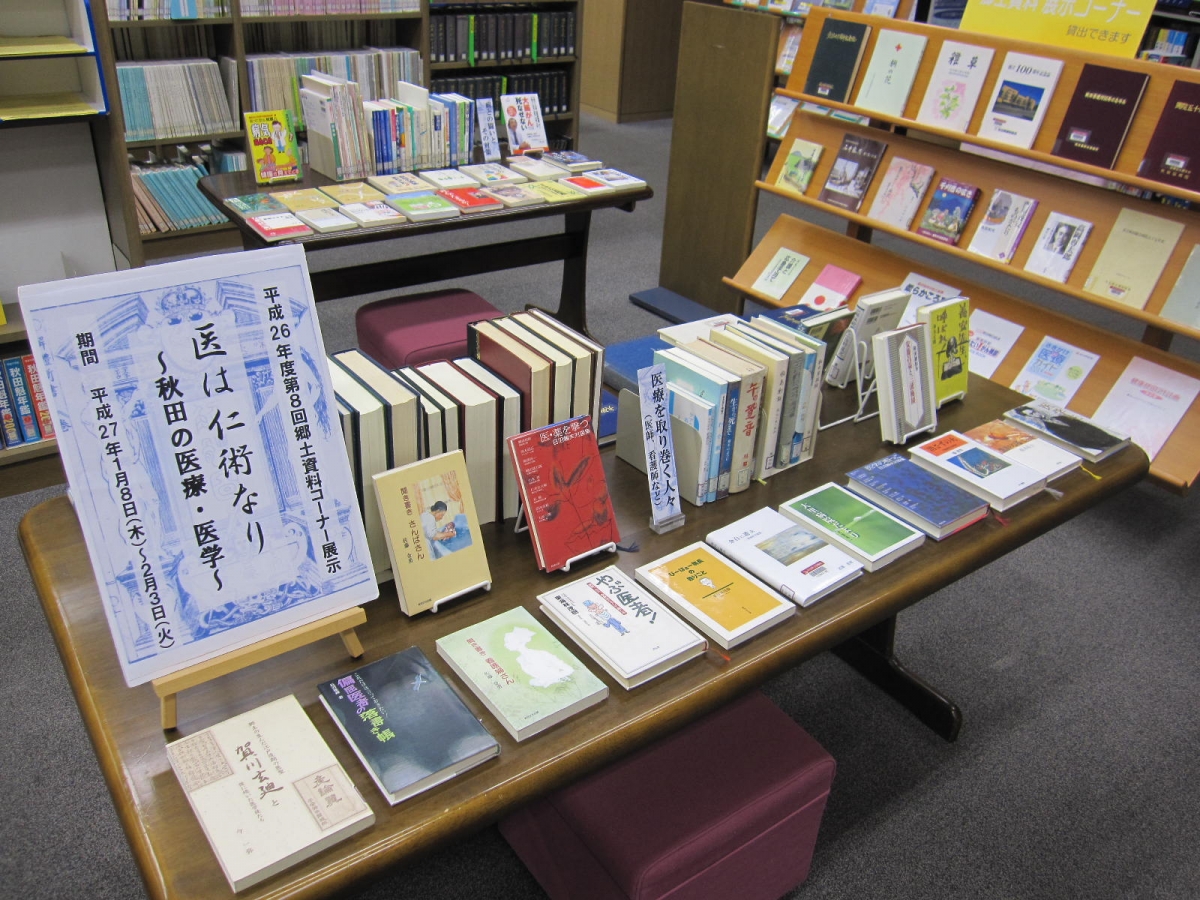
21 400
920 498
622 361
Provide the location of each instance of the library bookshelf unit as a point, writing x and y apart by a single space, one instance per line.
1177 465
42 455
49 68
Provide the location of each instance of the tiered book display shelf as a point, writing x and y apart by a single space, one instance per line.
1177 465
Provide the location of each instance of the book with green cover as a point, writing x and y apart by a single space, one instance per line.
798 168
866 532
524 676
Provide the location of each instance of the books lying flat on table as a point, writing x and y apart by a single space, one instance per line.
277 226
448 179
788 557
305 198
1003 437
513 195
255 204
268 791
571 160
715 595
1075 432
400 183
372 213
917 496
627 631
959 459
432 529
422 206
406 725
524 676
489 174
617 180
872 536
325 220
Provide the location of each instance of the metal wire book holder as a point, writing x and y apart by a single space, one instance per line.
521 525
859 350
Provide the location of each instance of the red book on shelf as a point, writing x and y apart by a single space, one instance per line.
1169 155
41 409
277 226
564 491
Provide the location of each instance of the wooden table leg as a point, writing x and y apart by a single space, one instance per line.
572 301
873 654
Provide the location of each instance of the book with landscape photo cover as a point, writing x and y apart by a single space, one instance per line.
1001 482
405 723
799 166
1099 115
917 496
525 677
267 790
1020 99
949 211
836 59
872 536
852 172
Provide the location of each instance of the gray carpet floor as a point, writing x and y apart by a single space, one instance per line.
1074 660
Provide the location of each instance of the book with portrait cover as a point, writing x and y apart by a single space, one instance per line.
900 192
432 530
525 677
1020 99
872 536
917 496
1003 226
960 460
273 149
1058 246
1176 136
836 59
798 168
889 77
564 491
1133 257
306 801
716 595
852 172
1099 115
1014 443
949 211
954 85
407 726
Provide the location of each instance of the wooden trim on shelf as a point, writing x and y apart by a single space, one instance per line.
187 232
330 17
190 139
22 452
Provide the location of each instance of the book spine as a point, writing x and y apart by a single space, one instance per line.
728 434
10 434
22 403
41 408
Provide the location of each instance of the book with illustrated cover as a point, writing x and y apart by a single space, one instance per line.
629 632
1169 154
917 496
852 171
535 169
274 153
872 536
351 192
525 677
325 220
523 123
489 174
255 204
1001 482
513 195
954 85
1068 429
716 595
1020 99
1183 303
788 557
950 339
471 200
904 377
586 185
37 397
1058 246
900 192
278 226
572 161
1003 226
10 431
1099 115
21 399
400 183
306 198
554 192
949 211
448 179
922 291
422 206
832 288
1011 442
267 790
798 168
432 531
889 77
1133 257
616 179
836 59
372 213
406 725
564 491
1055 371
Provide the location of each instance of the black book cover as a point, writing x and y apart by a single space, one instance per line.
836 59
1175 140
1098 117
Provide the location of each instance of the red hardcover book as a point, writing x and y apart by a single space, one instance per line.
564 491
470 200
1175 140
277 226
525 369
41 409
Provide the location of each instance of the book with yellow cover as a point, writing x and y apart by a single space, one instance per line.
554 192
432 531
1133 257
720 598
306 199
273 148
352 192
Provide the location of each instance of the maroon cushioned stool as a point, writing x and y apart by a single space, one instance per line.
420 328
727 807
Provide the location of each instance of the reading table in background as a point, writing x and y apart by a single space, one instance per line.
858 620
568 246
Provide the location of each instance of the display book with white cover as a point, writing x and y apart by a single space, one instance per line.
406 725
1004 437
989 476
917 496
631 634
1020 99
433 537
788 557
870 535
524 675
267 791
874 313
1003 225
714 594
890 73
243 325
1070 430
954 85
904 382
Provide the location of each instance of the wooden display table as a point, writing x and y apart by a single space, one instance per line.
166 838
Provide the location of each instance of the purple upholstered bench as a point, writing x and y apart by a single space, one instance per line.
420 328
727 807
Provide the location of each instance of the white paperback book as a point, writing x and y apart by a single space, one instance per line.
1055 371
267 791
629 632
1003 226
874 313
991 340
890 73
954 85
904 376
960 460
1147 402
1058 247
1020 99
923 290
1019 445
786 556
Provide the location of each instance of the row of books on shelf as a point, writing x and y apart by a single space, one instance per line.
186 10
501 37
1135 252
886 8
167 198
24 413
173 98
133 44
551 85
135 10
1093 129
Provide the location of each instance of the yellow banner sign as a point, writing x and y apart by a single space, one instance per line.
1111 27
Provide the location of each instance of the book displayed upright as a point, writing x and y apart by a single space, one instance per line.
1133 257
630 633
889 76
1168 157
874 313
525 677
949 211
717 596
1183 303
900 192
1148 401
836 59
1058 246
1001 482
523 123
798 167
852 170
872 536
1020 99
406 725
267 790
526 370
1003 226
949 337
905 383
1099 115
274 153
833 287
917 496
954 85
433 538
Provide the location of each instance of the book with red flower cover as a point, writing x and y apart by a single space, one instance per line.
564 491
41 409
1098 117
1169 155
